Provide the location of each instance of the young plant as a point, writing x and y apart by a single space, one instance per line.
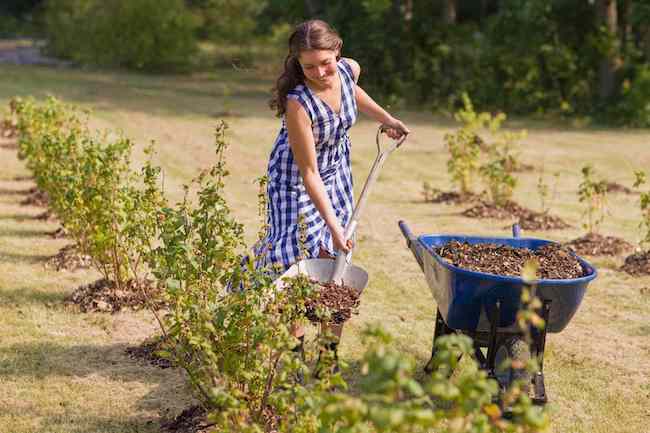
640 179
544 191
465 145
593 193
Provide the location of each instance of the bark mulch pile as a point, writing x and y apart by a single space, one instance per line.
451 197
35 197
69 258
191 420
340 301
593 244
617 187
528 219
101 296
147 352
59 233
637 263
555 261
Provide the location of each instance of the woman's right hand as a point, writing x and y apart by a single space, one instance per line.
338 237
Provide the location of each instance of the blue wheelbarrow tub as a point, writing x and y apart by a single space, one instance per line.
462 294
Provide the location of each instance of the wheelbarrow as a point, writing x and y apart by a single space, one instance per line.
484 306
340 270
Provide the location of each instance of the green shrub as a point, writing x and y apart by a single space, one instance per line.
634 107
144 34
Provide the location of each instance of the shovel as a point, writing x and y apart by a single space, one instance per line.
340 270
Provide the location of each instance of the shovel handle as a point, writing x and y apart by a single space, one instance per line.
395 143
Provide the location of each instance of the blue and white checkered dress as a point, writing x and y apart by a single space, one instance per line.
288 201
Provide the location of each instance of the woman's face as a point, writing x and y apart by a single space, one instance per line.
319 66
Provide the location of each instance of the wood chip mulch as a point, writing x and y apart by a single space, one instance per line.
528 219
451 197
340 300
191 420
35 197
617 187
147 352
59 233
101 296
69 258
637 264
594 244
555 261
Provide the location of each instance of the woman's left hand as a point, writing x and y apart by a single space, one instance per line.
396 129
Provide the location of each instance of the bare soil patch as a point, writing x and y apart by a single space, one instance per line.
528 219
35 197
102 296
147 352
555 261
637 264
191 420
69 258
340 301
594 244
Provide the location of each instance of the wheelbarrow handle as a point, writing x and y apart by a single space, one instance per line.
412 242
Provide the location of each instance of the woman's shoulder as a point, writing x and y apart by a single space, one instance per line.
353 65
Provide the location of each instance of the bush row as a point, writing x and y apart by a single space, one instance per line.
226 322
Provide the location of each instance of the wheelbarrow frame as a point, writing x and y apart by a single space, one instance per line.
491 323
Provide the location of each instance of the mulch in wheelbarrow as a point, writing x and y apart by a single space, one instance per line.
528 219
594 244
340 301
555 261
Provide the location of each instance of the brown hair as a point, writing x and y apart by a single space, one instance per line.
309 35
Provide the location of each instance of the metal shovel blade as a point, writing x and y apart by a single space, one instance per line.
321 270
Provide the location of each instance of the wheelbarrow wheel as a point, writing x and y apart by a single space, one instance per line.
517 351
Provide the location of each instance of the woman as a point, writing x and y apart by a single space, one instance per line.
310 196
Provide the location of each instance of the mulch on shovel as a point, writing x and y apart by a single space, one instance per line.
36 197
102 296
555 261
594 244
528 219
147 352
637 263
69 258
191 420
340 301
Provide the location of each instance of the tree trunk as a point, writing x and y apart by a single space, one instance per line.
608 17
450 12
624 25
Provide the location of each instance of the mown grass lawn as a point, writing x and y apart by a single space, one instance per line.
62 371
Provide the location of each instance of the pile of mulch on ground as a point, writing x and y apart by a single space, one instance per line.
59 233
35 197
637 263
69 258
593 244
451 197
617 187
555 261
528 219
191 420
340 301
147 352
101 296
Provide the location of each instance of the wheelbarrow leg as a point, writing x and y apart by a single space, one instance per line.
441 329
539 343
494 314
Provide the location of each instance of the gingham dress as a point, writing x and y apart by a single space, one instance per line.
288 201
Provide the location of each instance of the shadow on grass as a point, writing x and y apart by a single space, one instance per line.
22 217
18 258
30 296
7 191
